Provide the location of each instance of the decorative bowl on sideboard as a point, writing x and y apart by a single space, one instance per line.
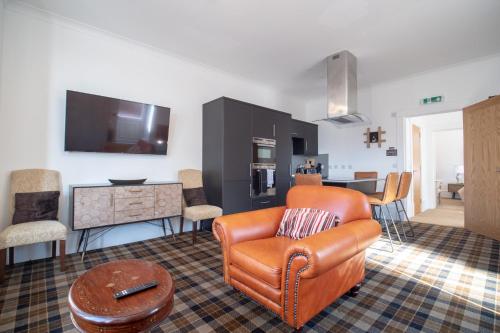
127 181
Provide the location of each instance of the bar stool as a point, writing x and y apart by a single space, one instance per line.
383 199
368 175
309 179
403 190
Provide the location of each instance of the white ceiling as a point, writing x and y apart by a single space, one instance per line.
283 43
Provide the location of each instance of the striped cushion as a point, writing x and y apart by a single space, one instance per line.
298 223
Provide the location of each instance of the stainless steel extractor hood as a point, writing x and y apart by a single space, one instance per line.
342 90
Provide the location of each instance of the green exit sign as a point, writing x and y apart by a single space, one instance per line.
430 100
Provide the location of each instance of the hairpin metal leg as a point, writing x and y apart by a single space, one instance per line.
85 243
164 229
81 240
170 226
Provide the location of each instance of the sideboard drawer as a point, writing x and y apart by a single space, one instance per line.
134 191
168 200
132 215
134 203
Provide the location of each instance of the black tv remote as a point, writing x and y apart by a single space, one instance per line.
136 289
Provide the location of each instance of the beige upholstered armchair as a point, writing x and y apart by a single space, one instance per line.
25 181
191 178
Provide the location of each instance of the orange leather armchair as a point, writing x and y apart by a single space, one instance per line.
297 279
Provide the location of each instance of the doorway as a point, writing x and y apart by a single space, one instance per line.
434 153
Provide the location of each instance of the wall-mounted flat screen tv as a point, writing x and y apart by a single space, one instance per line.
109 125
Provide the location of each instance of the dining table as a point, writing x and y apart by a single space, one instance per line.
362 185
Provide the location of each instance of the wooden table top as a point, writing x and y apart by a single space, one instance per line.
91 295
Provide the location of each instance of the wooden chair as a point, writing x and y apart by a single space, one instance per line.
385 198
191 178
25 181
368 175
403 190
308 179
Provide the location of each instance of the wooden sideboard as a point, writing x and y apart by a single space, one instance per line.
106 205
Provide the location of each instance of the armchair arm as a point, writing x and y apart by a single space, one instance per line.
241 227
327 249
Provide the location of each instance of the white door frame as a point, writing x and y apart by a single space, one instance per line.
403 135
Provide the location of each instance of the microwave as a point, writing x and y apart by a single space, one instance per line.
263 150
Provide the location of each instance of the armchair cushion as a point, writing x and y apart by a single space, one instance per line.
262 258
327 249
298 223
32 232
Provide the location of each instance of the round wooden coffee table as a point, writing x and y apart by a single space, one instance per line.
94 309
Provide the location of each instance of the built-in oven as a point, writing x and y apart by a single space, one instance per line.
264 151
263 180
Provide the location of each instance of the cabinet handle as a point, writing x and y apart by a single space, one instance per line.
250 189
265 202
290 169
250 172
274 130
136 203
293 133
306 145
135 191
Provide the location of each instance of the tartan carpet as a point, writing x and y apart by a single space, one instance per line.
446 280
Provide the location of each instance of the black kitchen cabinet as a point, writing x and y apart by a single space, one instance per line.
264 202
236 197
297 128
228 128
237 138
283 157
263 123
311 139
304 138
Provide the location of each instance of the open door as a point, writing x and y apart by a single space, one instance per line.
417 170
482 167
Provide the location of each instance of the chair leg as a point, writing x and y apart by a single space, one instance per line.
62 253
3 256
181 226
400 221
54 246
387 228
11 256
393 224
195 231
354 291
407 219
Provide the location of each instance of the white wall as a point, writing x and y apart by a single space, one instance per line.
2 12
44 56
443 131
388 104
449 154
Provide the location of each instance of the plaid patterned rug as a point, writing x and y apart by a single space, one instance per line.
447 280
